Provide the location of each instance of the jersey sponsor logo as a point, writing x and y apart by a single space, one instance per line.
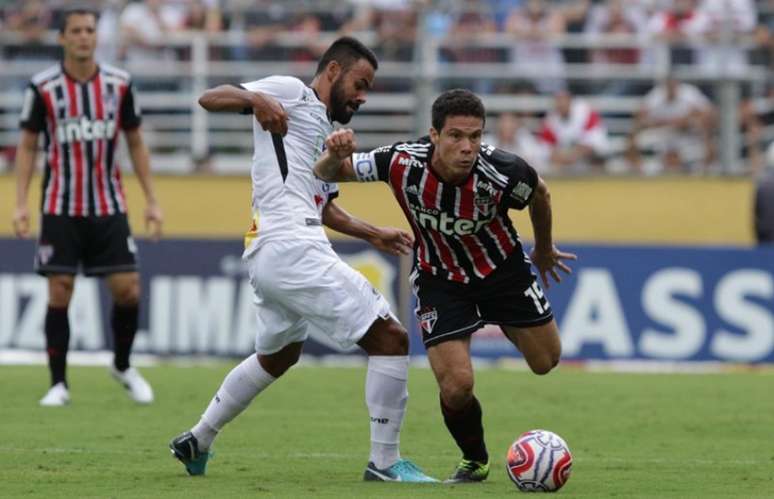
521 192
84 129
409 161
427 318
440 221
380 420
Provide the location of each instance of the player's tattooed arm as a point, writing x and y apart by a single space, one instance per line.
335 164
545 256
230 98
388 239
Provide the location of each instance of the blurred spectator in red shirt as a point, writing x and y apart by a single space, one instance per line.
681 25
575 135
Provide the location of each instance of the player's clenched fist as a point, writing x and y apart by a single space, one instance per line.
341 143
271 115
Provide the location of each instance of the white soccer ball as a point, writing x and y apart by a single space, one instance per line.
539 461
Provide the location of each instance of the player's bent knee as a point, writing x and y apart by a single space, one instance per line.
60 290
544 364
400 340
457 391
457 397
128 298
127 295
386 337
278 364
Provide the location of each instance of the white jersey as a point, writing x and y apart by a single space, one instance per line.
286 193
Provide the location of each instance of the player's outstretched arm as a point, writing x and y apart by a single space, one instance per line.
25 164
388 239
335 164
140 156
230 98
545 256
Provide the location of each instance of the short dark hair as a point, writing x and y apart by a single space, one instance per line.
456 102
75 11
346 51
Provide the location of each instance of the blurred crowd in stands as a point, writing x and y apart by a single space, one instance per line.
677 120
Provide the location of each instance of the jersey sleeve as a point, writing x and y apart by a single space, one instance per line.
33 114
522 178
374 165
131 116
287 91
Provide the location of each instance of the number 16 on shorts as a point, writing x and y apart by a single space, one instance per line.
538 298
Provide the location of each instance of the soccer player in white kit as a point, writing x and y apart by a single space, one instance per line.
300 284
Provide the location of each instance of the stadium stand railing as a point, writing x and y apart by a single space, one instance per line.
184 138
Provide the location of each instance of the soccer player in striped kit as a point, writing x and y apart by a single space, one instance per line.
470 268
80 107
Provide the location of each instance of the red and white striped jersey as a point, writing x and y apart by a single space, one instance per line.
80 122
462 232
583 126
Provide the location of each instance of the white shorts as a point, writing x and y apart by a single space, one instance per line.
303 287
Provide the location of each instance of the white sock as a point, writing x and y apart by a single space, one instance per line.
386 396
240 387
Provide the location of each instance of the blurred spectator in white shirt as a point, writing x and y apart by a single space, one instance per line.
108 27
203 15
726 23
513 135
534 52
144 25
394 22
676 121
575 135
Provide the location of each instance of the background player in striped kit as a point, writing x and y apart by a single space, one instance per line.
470 268
80 107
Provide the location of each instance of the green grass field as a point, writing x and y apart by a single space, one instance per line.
307 436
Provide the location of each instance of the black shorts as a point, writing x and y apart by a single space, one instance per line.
509 296
95 245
